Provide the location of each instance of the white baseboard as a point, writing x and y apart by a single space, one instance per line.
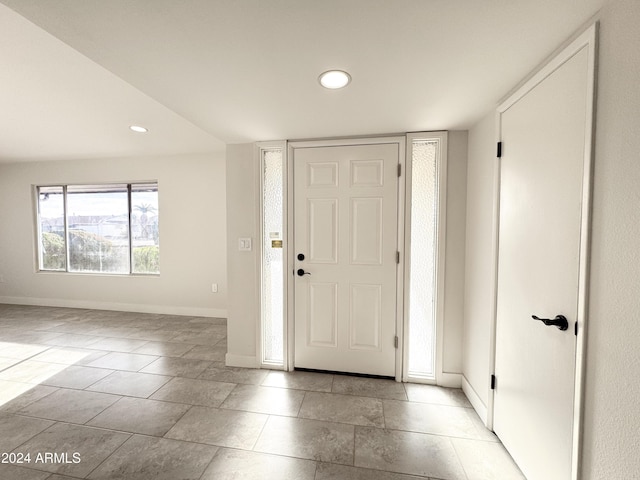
119 307
476 401
450 380
245 361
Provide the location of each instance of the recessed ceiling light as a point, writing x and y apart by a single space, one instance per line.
138 129
334 79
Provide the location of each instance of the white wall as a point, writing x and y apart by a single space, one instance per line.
242 221
612 397
192 237
478 290
612 394
455 253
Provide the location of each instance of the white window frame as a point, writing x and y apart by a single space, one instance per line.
259 151
38 229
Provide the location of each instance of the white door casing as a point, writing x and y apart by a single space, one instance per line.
542 263
346 226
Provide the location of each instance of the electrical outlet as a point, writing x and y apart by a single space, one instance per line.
214 288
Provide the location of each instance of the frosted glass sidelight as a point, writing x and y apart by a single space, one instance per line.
422 267
272 257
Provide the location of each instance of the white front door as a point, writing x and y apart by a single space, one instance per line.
541 193
345 243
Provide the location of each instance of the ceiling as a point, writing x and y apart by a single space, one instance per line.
204 73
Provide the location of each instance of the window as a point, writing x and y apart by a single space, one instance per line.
99 228
426 209
273 255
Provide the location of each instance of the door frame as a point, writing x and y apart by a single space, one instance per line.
587 39
289 354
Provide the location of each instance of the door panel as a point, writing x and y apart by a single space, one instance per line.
365 317
543 137
345 224
322 320
366 231
322 214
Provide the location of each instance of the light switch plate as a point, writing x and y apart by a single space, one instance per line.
244 244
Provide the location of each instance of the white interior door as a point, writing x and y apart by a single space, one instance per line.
541 195
345 241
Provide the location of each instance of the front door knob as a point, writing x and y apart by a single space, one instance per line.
301 272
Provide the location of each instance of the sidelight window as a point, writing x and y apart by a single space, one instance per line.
425 208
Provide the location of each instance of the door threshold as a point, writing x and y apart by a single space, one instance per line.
349 374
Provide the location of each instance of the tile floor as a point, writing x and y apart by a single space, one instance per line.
113 395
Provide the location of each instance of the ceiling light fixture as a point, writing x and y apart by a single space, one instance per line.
138 129
334 79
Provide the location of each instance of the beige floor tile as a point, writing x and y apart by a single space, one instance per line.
482 431
73 340
8 362
30 337
207 393
130 383
30 371
74 406
15 396
164 349
310 381
407 452
221 373
145 458
486 460
206 352
311 439
92 445
225 428
126 345
429 418
231 464
15 472
453 397
177 367
16 430
77 377
153 335
123 361
270 400
331 471
368 387
139 415
69 355
199 339
339 423
334 407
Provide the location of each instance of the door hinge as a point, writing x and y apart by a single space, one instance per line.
395 341
399 169
493 382
575 329
499 152
398 258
